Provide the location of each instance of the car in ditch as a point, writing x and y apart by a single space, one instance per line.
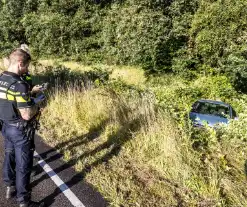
211 113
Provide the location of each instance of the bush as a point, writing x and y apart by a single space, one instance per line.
236 68
63 77
217 28
137 35
47 33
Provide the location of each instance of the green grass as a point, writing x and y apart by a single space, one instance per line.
130 138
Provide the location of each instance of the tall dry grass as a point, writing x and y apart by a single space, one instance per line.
108 132
136 153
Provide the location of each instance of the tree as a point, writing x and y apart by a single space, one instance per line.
12 32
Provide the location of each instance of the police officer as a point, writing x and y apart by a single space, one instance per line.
16 109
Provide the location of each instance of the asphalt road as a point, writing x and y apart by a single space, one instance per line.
45 190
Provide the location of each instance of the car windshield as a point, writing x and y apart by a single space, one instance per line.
211 108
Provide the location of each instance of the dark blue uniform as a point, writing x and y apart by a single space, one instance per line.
18 160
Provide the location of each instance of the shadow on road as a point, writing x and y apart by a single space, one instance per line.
112 146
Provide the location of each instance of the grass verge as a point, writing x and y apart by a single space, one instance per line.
132 141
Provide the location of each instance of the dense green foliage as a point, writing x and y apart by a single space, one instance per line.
184 36
145 152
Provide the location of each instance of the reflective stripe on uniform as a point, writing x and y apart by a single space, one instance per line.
20 99
9 91
3 89
3 95
9 97
8 94
14 93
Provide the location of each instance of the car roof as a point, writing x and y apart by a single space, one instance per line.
213 102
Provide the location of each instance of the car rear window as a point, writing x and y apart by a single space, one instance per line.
211 108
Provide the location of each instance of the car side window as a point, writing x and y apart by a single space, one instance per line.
194 106
234 114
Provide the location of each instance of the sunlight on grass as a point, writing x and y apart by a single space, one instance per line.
130 75
48 62
136 147
76 66
134 144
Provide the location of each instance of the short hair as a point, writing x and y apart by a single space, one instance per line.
19 55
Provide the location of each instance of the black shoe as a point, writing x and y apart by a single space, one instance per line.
31 204
10 192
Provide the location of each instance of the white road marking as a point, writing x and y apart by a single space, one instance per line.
57 180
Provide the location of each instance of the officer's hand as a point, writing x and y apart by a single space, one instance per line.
36 89
39 99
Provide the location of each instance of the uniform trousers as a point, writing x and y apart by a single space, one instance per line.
18 161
